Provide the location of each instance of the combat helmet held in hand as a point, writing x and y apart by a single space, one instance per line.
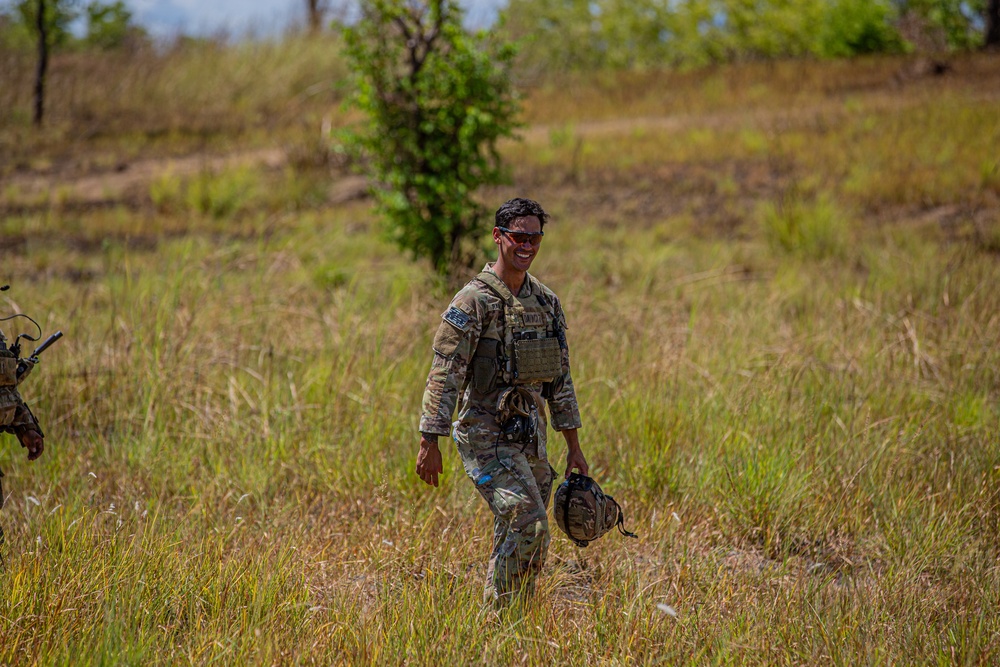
584 512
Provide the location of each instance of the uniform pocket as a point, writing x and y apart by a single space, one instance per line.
484 365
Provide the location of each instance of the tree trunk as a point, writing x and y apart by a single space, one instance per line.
992 25
43 63
315 15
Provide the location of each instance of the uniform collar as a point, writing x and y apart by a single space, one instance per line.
525 286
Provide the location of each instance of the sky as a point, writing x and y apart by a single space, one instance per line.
167 18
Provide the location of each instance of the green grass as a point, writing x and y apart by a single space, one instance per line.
785 344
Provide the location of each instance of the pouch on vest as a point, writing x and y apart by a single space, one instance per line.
537 360
485 368
8 371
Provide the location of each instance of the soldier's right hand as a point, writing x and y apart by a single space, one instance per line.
429 461
33 441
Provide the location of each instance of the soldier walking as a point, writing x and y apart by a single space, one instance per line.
500 353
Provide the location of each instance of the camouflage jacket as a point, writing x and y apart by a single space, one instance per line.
15 416
475 316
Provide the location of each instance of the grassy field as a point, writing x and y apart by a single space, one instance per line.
781 285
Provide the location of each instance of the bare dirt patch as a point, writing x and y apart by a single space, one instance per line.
121 181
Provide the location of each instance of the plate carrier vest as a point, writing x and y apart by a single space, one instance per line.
531 353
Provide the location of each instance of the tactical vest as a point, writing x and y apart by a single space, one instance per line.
531 349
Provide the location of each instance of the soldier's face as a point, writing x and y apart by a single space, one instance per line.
519 255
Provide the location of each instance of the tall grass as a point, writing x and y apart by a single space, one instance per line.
194 95
787 364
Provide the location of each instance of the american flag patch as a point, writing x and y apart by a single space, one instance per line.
457 318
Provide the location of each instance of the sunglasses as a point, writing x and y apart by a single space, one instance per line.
534 238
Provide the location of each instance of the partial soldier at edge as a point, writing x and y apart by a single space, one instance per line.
15 415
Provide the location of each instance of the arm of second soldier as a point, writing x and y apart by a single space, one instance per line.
28 431
453 349
564 409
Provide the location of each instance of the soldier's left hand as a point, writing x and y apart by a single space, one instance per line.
576 459
33 441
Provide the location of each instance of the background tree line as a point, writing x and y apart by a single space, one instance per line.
583 34
588 34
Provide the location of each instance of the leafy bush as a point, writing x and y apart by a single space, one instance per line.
437 100
856 27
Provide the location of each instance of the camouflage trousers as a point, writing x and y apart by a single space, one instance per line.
517 487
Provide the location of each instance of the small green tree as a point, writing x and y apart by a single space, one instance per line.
110 25
437 100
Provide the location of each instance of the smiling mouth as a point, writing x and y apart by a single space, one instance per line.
523 255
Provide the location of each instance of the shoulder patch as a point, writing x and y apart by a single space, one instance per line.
457 319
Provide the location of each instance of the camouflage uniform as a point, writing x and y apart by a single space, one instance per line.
15 417
515 479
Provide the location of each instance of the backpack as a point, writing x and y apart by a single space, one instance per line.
584 512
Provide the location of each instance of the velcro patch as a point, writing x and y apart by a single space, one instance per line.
457 319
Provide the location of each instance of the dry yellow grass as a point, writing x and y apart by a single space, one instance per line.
785 340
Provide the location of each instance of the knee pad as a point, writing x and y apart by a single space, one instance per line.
535 535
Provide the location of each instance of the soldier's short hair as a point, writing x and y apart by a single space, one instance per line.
519 207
